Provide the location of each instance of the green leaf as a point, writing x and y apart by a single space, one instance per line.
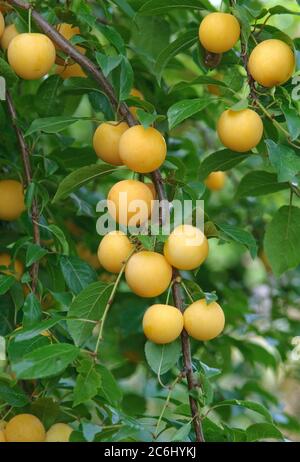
186 108
158 7
109 388
12 396
240 235
46 409
201 80
284 159
240 105
147 241
6 282
125 7
87 382
108 63
183 433
113 37
32 310
292 119
244 17
32 332
263 431
259 183
45 361
279 9
161 358
281 242
17 350
80 177
74 158
252 405
7 72
126 79
182 43
150 37
60 237
221 160
34 253
145 118
209 371
50 124
90 305
77 273
47 101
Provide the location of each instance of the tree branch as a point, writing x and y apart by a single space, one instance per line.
27 180
125 113
187 358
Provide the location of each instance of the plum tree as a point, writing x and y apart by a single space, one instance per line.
11 200
219 32
72 344
106 141
216 181
122 204
31 55
241 130
25 428
58 433
14 268
9 33
271 63
162 323
148 274
113 251
186 248
204 321
143 150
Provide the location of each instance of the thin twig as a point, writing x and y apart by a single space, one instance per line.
171 389
110 301
27 181
251 82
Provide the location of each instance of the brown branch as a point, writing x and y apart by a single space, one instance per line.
186 350
27 181
125 113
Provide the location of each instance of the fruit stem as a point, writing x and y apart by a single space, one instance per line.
25 153
110 302
171 388
276 124
187 291
29 20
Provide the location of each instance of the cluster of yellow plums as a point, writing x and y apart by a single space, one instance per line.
149 274
271 63
27 428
